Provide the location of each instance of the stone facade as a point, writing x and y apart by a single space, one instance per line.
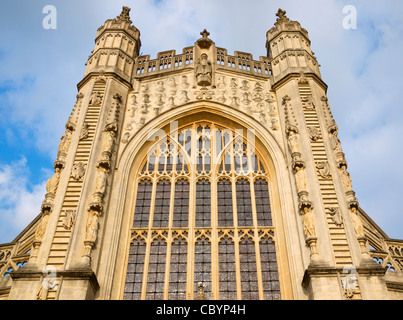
326 246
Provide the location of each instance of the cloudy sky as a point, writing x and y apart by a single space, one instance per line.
39 70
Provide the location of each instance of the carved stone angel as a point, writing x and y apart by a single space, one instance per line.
204 71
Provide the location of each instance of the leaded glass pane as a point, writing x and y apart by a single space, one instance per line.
247 258
143 202
268 261
263 210
224 204
227 271
178 268
135 269
202 265
162 201
244 203
203 203
181 204
156 270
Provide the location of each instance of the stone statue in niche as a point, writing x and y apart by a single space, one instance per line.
91 232
43 223
65 143
293 141
309 223
204 71
357 223
345 178
109 138
300 178
53 182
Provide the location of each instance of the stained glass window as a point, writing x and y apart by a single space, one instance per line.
202 215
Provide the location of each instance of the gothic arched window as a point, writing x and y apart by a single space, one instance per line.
202 215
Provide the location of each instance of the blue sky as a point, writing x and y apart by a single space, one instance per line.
39 70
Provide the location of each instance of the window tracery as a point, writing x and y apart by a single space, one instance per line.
202 214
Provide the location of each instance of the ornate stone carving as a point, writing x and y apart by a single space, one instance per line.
69 219
308 103
345 178
336 216
84 131
95 99
78 171
53 182
314 133
323 169
64 144
357 223
204 71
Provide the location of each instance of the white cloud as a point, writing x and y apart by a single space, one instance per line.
362 68
20 201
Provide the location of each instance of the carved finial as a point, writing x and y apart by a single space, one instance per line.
281 16
281 13
124 14
205 33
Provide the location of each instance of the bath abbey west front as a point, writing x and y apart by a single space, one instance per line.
201 175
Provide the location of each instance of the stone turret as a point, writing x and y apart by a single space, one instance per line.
289 46
117 44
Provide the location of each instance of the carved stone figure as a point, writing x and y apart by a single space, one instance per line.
95 99
91 233
53 182
78 171
100 185
308 103
358 226
314 133
65 142
336 216
43 223
300 178
84 131
345 178
323 169
69 219
309 223
293 141
109 139
204 71
184 82
184 96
